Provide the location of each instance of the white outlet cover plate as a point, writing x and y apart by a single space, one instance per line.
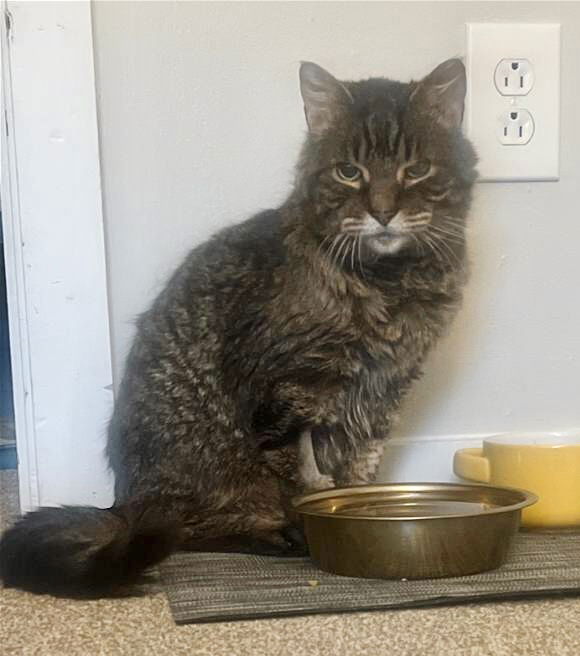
487 44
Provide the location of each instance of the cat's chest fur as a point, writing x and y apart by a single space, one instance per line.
358 327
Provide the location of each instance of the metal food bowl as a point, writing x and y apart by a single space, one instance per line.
411 530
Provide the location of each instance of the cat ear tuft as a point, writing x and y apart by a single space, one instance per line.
443 90
325 98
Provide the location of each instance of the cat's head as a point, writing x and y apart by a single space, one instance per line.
385 169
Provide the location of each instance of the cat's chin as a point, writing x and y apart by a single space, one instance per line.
388 244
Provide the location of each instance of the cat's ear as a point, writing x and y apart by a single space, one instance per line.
443 91
325 98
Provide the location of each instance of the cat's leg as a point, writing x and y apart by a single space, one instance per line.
333 448
309 472
257 522
362 468
350 449
343 459
268 528
285 426
287 541
327 456
296 467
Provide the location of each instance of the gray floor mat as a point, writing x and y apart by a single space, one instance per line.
205 587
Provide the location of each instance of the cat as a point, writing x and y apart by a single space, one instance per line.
276 358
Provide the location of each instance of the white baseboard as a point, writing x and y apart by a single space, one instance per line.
400 440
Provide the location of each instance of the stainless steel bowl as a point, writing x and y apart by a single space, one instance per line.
411 530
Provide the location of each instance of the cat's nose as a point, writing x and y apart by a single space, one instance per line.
384 199
384 215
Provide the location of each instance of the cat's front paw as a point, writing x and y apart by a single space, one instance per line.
288 541
311 477
295 540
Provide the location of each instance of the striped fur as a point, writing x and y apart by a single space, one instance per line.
279 352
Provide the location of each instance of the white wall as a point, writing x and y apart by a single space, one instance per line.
200 123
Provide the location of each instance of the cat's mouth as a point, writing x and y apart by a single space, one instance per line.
388 242
387 234
386 239
400 226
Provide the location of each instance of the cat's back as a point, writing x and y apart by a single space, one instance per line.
256 243
235 264
179 339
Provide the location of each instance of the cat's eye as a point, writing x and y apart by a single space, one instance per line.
418 169
348 172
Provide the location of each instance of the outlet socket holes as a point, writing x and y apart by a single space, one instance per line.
515 127
514 77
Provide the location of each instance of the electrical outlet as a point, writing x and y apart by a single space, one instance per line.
514 77
513 99
515 128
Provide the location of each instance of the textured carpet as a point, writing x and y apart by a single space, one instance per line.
8 497
45 626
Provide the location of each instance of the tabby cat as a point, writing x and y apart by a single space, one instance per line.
277 356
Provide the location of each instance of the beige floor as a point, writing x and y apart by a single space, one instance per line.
43 625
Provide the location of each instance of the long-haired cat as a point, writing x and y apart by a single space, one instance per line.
277 356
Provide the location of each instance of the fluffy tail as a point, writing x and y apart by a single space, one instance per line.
83 551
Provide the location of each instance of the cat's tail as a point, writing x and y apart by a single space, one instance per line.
77 551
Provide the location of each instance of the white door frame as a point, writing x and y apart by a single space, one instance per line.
55 253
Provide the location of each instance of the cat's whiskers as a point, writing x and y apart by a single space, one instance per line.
454 225
343 243
426 240
420 245
348 242
452 229
439 256
359 243
445 259
454 237
447 238
335 244
444 246
321 245
454 221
